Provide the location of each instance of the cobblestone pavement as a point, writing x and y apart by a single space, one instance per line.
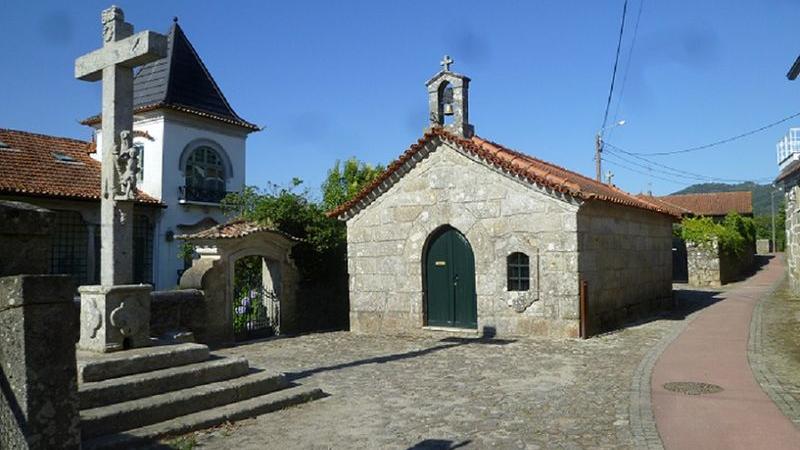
430 392
775 350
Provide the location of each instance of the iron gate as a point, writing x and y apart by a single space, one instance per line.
256 314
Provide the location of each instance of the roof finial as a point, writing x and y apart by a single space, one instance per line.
175 19
446 61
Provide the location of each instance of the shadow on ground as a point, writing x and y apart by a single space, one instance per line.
438 444
487 338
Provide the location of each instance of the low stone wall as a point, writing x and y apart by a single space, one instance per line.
792 256
38 375
763 246
710 267
24 238
177 310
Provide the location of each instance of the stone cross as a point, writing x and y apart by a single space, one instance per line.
446 61
113 64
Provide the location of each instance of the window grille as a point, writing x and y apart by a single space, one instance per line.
205 176
69 246
519 272
140 156
142 249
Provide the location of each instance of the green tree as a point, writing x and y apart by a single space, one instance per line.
320 256
345 180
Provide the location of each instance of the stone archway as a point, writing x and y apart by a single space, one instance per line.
214 272
255 289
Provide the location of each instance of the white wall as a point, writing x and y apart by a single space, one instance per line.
172 134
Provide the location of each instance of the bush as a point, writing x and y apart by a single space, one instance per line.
734 234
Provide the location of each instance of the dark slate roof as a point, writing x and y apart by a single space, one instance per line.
180 81
794 70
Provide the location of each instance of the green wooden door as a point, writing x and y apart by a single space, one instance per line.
450 281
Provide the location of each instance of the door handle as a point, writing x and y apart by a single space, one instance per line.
455 280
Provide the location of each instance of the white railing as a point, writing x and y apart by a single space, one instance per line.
788 148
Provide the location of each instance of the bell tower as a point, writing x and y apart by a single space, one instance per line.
448 95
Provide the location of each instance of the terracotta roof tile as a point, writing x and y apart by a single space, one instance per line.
234 229
40 165
712 204
527 167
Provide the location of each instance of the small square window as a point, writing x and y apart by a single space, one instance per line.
518 270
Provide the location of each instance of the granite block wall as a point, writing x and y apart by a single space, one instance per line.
626 259
498 215
793 236
38 375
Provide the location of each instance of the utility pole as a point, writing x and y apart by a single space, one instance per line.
598 153
772 209
598 150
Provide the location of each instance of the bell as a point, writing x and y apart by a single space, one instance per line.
448 109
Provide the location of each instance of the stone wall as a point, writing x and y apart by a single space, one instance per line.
710 267
763 246
626 260
178 310
793 236
38 375
498 215
24 238
704 264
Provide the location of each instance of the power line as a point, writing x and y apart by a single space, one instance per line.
617 164
716 143
616 63
676 178
627 66
648 164
677 172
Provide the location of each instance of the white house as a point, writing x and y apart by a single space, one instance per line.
192 151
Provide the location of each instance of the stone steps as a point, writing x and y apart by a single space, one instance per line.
132 397
158 408
147 435
140 385
99 367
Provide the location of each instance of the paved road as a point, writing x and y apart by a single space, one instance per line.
713 350
434 393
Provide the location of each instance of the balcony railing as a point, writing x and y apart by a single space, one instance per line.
195 194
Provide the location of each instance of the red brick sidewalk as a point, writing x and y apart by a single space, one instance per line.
713 349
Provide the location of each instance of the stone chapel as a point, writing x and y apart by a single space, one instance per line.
461 232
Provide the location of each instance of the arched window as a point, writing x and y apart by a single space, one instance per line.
205 176
519 272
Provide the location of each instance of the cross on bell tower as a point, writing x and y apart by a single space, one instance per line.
448 95
446 61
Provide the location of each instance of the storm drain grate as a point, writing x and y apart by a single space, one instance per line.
692 387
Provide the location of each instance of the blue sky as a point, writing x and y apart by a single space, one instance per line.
331 80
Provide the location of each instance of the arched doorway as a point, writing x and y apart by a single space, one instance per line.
450 280
256 305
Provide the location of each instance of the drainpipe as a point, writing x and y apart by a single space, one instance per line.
584 317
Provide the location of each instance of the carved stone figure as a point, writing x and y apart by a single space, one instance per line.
127 163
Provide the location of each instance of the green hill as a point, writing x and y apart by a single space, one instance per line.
761 194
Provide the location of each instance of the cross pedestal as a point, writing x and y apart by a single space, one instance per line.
114 317
116 297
